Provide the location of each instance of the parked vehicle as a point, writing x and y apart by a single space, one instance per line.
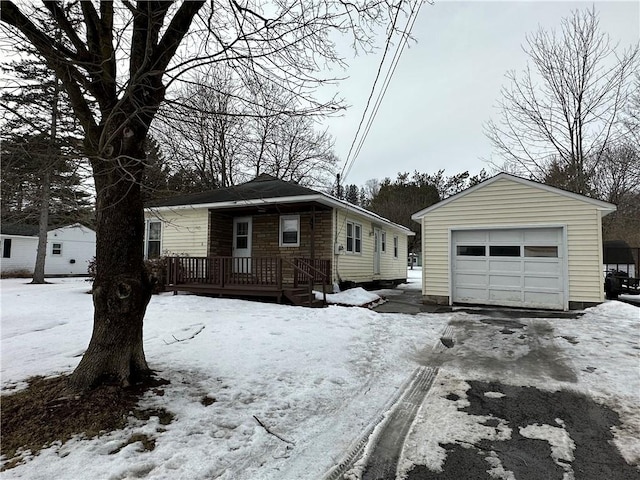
618 283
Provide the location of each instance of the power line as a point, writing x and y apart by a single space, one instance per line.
413 15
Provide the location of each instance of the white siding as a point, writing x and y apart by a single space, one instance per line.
358 267
506 202
184 231
23 254
78 248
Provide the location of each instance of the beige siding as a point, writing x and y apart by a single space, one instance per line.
184 231
359 267
507 202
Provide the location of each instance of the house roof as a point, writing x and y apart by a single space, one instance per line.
19 229
22 230
617 251
599 204
262 187
263 190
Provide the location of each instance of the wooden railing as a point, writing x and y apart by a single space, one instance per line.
224 271
312 271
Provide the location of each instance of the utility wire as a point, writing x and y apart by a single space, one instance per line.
350 160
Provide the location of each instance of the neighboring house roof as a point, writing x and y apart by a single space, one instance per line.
19 230
263 190
599 204
617 252
22 230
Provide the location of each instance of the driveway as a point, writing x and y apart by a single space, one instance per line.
502 396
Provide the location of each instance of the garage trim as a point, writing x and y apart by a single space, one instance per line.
563 242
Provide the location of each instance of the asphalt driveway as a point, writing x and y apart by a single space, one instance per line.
517 411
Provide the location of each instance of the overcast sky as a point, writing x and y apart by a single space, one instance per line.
448 83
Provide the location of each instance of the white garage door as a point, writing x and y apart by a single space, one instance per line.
510 267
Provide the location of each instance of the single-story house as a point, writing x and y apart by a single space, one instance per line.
69 249
263 236
513 242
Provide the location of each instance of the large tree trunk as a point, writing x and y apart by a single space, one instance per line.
121 289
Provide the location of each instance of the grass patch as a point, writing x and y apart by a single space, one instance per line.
44 413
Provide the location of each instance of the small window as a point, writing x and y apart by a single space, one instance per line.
540 251
383 242
471 251
290 230
153 239
56 249
6 248
354 237
504 250
395 247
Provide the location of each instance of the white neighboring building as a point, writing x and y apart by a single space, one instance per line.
69 250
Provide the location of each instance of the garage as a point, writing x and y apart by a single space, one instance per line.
513 242
511 267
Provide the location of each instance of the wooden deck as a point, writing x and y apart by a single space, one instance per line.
250 277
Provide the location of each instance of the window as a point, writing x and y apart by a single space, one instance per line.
531 251
504 250
6 248
395 246
56 249
471 251
383 242
290 231
153 239
354 237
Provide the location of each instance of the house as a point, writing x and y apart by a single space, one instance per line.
267 236
69 249
513 242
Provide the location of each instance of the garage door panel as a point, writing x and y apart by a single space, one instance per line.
467 279
543 268
471 265
544 283
472 295
541 299
510 296
507 266
511 274
514 281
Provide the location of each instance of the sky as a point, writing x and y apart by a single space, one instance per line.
448 82
321 379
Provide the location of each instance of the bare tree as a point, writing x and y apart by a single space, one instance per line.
564 109
124 56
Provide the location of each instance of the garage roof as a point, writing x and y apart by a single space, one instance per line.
599 204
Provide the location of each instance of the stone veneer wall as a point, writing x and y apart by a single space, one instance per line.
265 237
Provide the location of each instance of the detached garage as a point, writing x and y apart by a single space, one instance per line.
512 242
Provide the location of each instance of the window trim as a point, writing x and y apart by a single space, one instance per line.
396 246
356 239
57 252
383 241
281 231
147 239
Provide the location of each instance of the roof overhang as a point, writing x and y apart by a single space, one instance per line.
319 198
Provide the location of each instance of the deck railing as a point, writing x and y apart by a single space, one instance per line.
225 271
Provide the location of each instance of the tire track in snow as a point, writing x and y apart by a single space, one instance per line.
386 444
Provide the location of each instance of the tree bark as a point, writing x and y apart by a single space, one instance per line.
121 289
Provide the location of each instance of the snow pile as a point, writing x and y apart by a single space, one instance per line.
354 297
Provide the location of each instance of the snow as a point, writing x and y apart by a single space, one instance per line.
318 378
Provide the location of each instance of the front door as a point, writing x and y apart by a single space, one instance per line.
242 245
376 250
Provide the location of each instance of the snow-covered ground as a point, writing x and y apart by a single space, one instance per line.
316 377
